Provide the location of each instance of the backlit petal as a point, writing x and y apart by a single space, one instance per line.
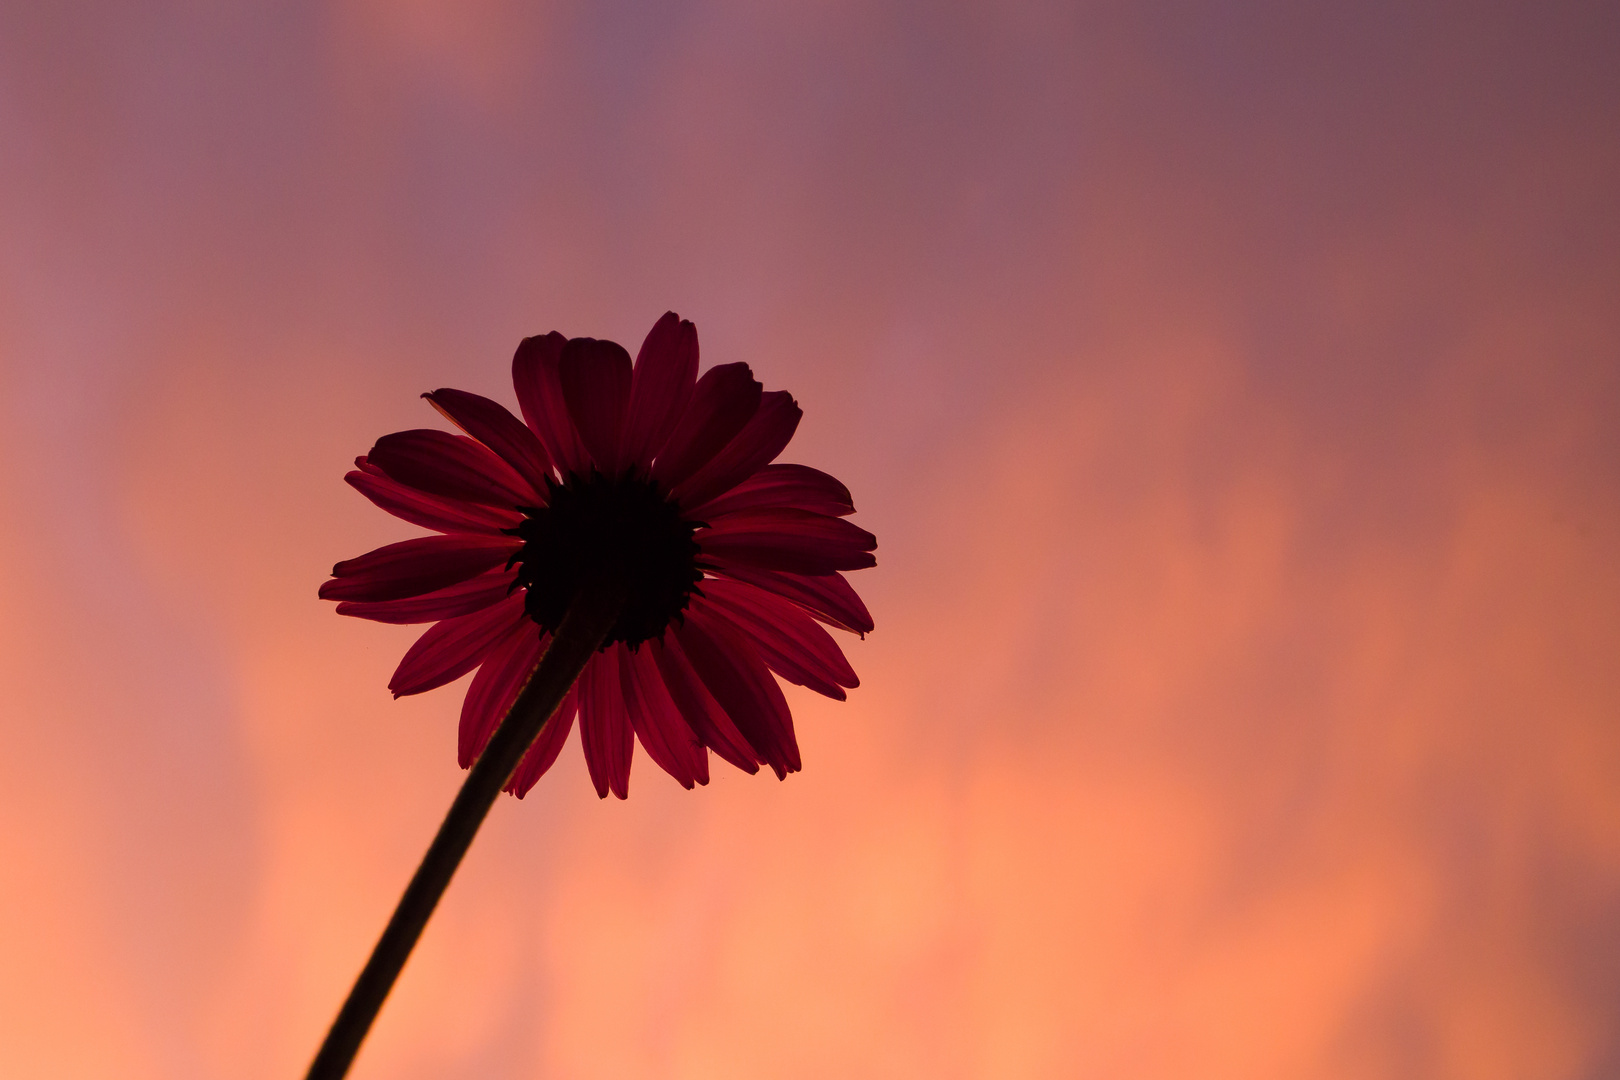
454 647
798 487
462 598
663 731
452 466
787 638
740 682
416 566
723 401
665 374
540 396
595 377
491 424
785 539
428 511
828 596
703 713
494 688
546 746
756 445
604 725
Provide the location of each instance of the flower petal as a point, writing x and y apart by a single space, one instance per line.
453 466
663 732
495 687
788 639
665 373
740 682
428 511
416 566
540 396
531 356
604 724
722 402
542 753
774 486
828 596
766 434
454 647
784 539
703 714
462 598
491 424
595 378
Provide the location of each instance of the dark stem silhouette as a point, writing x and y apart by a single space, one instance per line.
584 628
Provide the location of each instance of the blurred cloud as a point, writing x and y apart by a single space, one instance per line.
1231 392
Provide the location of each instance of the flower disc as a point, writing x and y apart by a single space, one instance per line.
598 526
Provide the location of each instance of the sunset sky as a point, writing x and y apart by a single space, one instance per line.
1233 389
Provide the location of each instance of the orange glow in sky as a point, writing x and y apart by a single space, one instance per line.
1232 390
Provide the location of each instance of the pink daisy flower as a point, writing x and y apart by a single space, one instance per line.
731 564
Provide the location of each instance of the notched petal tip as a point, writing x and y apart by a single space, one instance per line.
723 401
786 539
450 466
766 435
536 381
493 425
828 597
661 387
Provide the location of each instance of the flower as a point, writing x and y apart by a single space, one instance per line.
732 562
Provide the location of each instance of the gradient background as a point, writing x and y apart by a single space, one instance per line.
1234 390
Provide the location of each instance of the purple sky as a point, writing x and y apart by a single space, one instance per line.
1232 389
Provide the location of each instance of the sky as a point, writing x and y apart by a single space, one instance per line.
1232 389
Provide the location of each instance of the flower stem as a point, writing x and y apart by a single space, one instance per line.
582 631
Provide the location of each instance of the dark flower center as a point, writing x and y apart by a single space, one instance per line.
600 527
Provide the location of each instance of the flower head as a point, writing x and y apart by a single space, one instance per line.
729 563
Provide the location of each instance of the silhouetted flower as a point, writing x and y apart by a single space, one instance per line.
731 561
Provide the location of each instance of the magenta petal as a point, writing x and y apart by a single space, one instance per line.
765 435
663 732
454 647
786 539
828 597
797 487
789 640
595 379
542 753
703 714
540 396
462 598
491 424
740 682
665 373
428 511
417 566
500 677
533 354
722 402
604 725
453 466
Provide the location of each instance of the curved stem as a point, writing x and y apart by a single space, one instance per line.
582 631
